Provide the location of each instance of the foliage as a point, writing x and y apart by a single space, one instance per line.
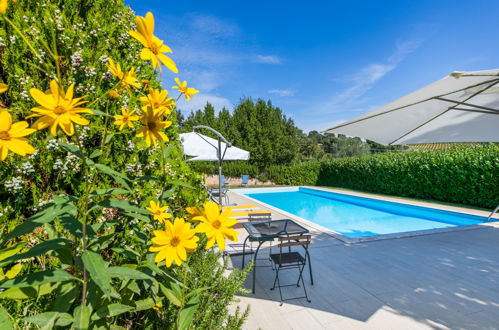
230 168
258 127
75 231
466 175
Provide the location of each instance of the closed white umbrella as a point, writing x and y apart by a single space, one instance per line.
202 147
461 107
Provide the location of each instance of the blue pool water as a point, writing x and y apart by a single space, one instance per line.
355 216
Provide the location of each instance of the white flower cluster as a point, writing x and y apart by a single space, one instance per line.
93 33
5 211
71 163
90 72
40 204
151 165
33 155
152 150
27 168
58 20
84 134
76 59
53 145
130 146
12 38
135 168
13 185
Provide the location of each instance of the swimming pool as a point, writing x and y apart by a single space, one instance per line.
358 217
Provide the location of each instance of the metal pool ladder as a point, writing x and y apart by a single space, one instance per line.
492 213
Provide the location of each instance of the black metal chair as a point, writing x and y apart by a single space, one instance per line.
215 194
288 259
261 217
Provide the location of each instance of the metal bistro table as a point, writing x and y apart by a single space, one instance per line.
262 232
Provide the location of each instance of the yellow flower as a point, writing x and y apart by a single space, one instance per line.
113 94
3 6
194 211
127 79
153 123
182 88
159 212
173 243
153 47
12 136
3 88
145 84
126 118
216 225
58 108
158 100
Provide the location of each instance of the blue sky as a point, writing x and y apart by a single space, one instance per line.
321 62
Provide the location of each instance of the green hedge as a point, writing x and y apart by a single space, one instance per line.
230 168
466 175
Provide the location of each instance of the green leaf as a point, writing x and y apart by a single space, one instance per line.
95 153
63 320
110 311
28 292
119 177
171 295
126 273
124 205
5 322
43 320
109 191
81 317
100 113
141 305
38 278
37 250
49 214
65 297
186 315
109 137
10 251
168 193
16 269
140 217
72 149
97 268
180 183
167 151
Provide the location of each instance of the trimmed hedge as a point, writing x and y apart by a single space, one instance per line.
230 168
465 175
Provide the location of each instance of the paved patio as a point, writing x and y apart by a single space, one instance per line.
439 281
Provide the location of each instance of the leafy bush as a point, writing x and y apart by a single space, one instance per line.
75 245
467 175
229 168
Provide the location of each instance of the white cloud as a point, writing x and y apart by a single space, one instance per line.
282 92
199 100
366 78
214 26
268 59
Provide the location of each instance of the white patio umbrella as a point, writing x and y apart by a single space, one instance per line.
461 107
202 147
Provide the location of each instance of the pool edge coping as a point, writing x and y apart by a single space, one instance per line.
355 240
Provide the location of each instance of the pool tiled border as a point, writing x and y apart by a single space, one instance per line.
351 240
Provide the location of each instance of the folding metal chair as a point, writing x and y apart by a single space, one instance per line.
287 259
261 217
214 194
